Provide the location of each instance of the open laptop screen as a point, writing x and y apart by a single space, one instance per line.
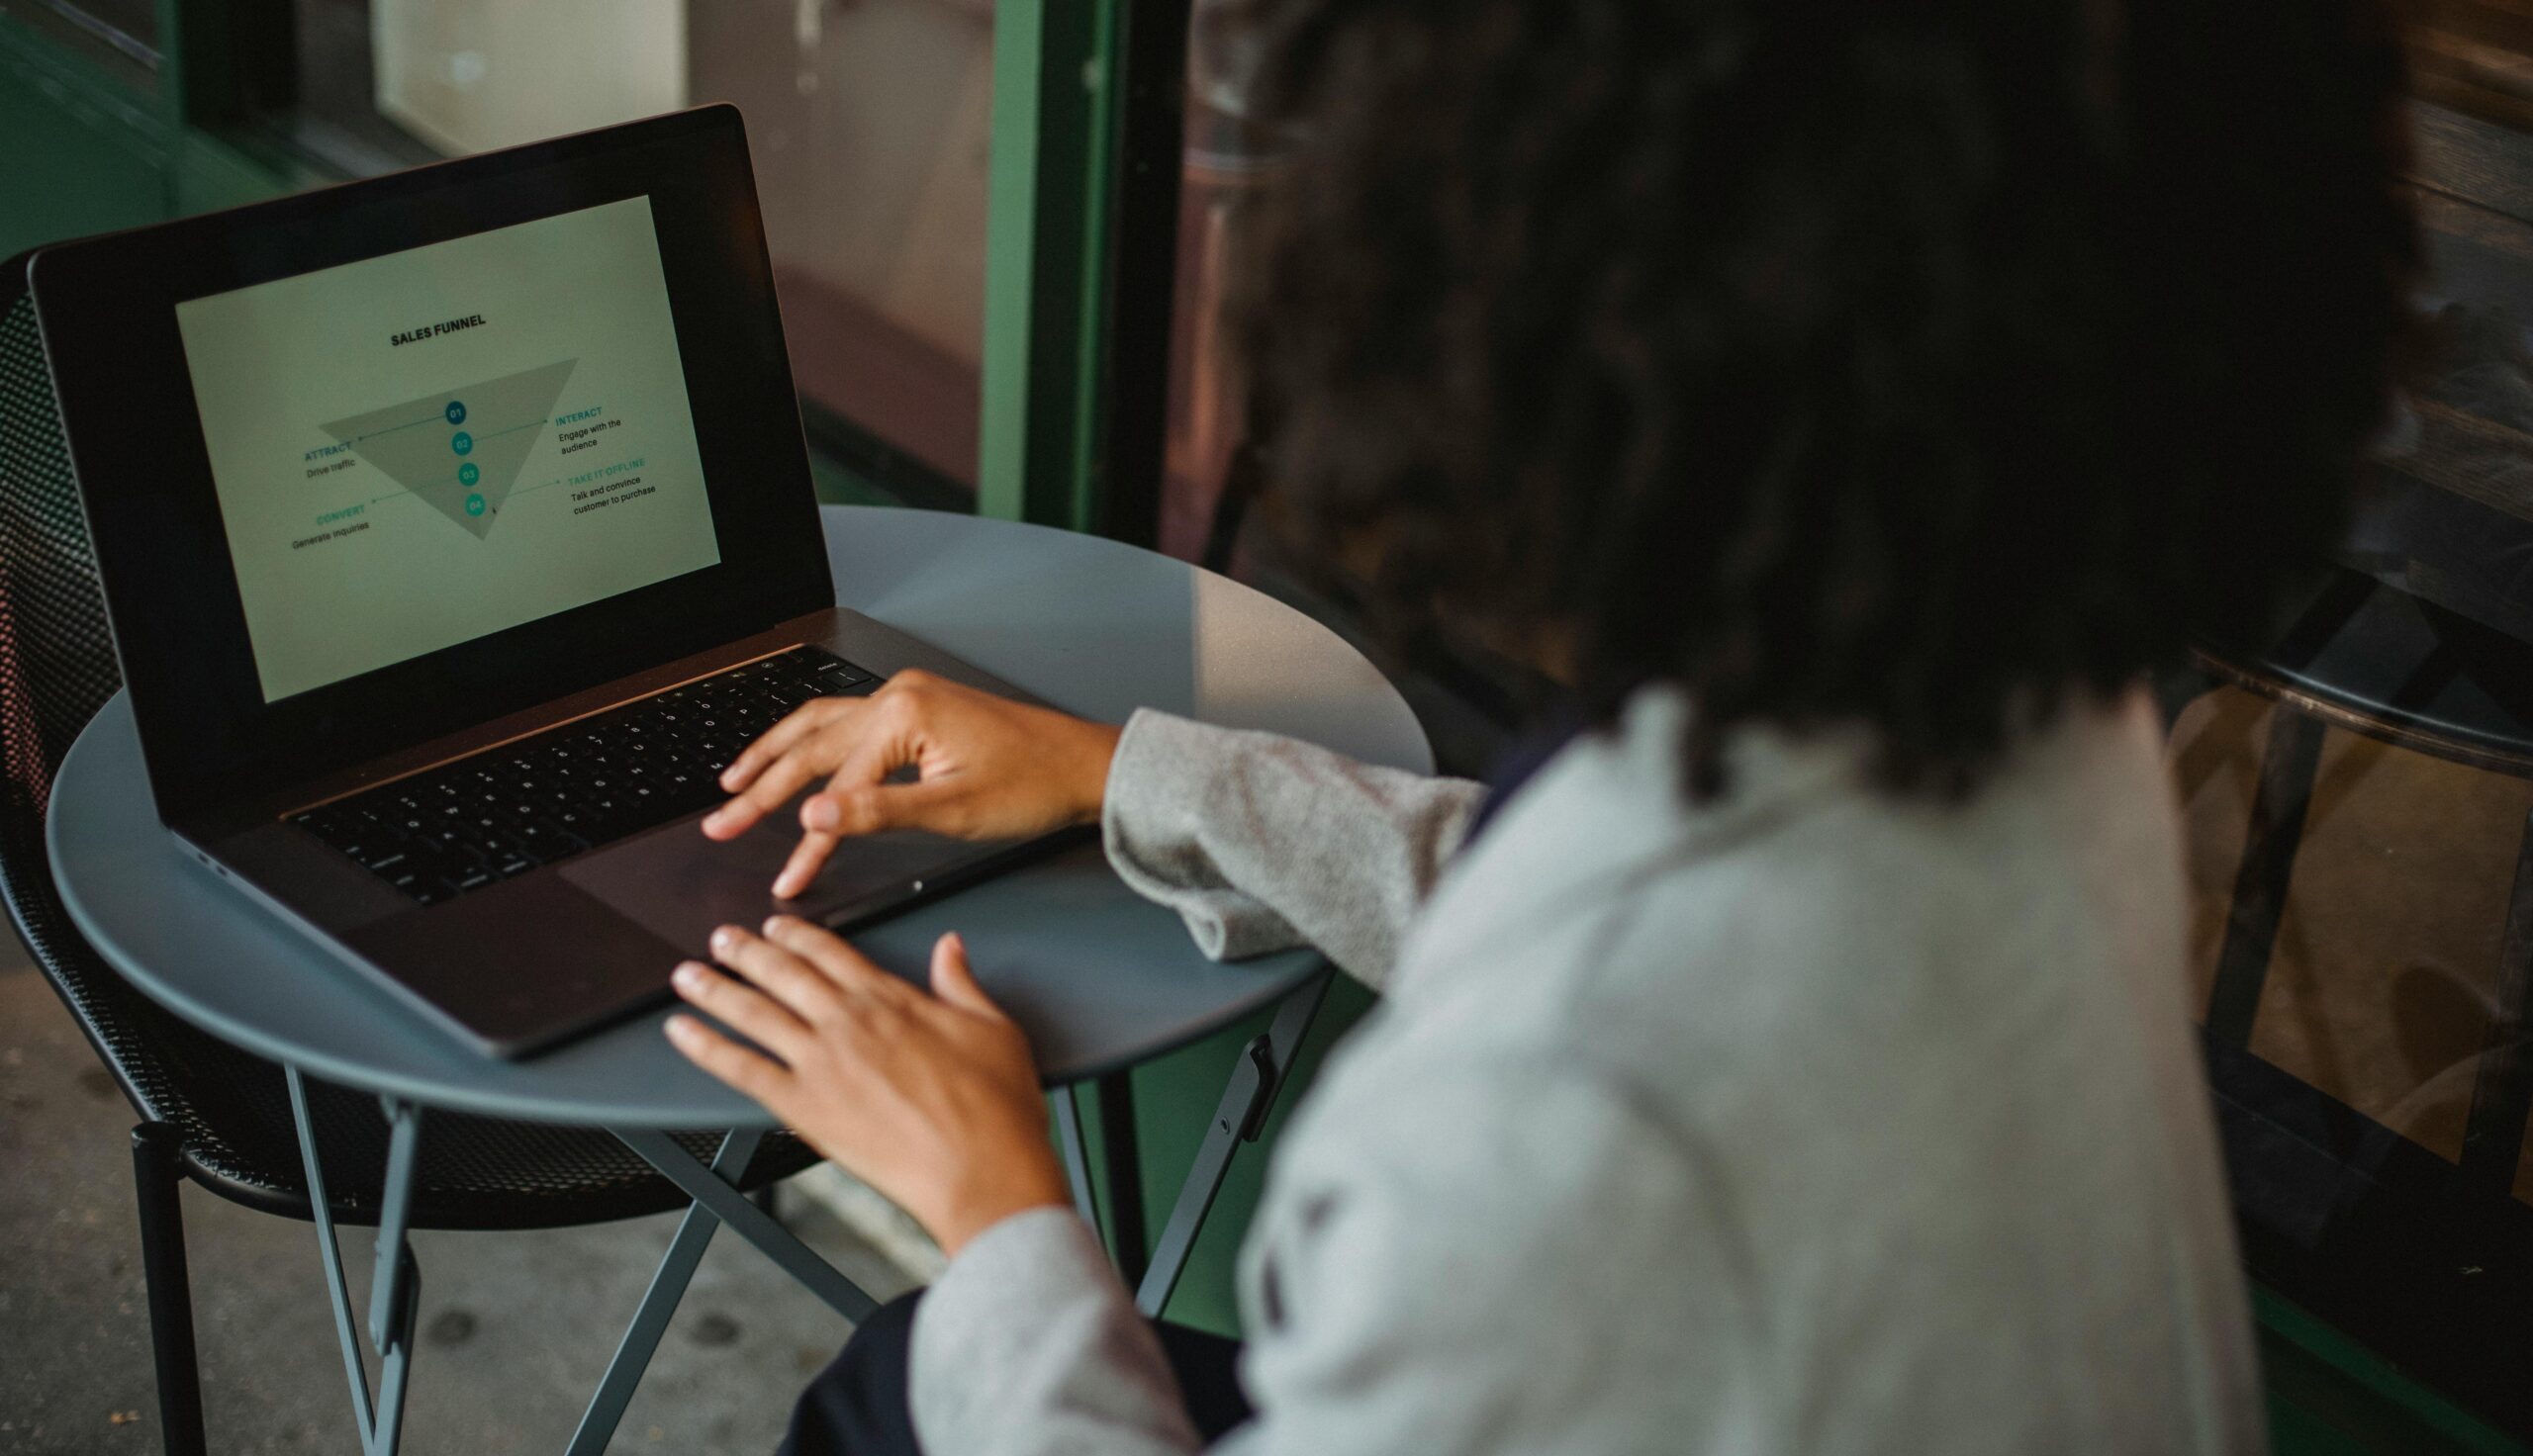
381 463
424 448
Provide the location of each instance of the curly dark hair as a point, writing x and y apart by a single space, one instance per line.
1912 363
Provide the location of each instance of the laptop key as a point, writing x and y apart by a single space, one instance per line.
542 840
597 781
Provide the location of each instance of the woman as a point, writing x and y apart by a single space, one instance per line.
1846 403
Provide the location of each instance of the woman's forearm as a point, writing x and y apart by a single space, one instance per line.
1261 842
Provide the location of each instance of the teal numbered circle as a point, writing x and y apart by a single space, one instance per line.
468 475
456 412
461 442
474 505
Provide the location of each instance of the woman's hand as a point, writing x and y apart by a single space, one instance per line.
987 769
932 1100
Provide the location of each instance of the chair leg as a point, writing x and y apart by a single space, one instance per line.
155 1148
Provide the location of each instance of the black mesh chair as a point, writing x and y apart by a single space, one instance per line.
209 1112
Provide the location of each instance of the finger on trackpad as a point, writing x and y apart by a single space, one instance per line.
680 885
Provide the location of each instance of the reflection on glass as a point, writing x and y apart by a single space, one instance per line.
1228 166
121 36
867 122
868 126
2389 970
471 75
2390 987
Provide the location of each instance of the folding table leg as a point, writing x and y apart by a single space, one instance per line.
1246 1099
651 1317
395 1208
1117 1218
1125 1168
395 1283
747 1221
1068 1104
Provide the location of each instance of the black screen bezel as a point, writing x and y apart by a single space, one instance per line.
107 310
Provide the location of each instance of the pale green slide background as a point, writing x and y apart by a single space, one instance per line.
575 308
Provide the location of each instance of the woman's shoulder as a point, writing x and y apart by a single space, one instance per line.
1603 881
1817 948
1807 1060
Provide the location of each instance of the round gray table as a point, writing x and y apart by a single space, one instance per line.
1101 978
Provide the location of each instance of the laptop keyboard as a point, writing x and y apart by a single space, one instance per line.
586 783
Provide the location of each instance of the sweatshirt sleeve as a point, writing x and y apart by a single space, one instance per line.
1263 843
1028 1345
1415 1295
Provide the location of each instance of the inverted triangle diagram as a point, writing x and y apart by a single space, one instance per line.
461 449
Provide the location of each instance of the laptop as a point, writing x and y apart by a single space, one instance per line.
456 529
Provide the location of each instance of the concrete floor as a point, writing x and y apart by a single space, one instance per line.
516 1327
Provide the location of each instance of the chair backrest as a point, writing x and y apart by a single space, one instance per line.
56 669
56 661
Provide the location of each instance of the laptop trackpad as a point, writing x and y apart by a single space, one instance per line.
679 886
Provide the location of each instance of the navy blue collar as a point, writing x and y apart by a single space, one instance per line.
1522 762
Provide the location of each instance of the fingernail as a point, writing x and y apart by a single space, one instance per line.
958 942
774 922
717 818
687 976
724 938
679 1028
819 813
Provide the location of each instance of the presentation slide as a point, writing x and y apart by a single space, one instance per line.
420 449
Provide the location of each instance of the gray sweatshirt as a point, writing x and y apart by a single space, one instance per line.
1807 1120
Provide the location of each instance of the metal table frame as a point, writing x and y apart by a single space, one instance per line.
1122 626
395 1293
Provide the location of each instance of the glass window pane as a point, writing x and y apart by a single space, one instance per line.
868 126
2363 997
867 122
